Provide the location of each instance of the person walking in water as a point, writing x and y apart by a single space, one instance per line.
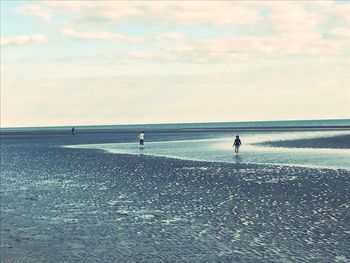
73 131
141 137
237 143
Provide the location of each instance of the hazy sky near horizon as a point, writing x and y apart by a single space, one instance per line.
115 62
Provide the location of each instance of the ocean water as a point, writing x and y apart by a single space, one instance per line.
210 125
253 149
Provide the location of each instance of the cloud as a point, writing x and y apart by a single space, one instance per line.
107 36
23 40
238 48
207 13
341 10
141 54
187 53
170 36
340 32
70 6
286 16
180 48
245 29
291 18
121 13
187 13
38 11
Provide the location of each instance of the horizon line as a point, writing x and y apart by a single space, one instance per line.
166 123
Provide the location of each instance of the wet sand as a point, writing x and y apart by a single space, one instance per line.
77 205
334 142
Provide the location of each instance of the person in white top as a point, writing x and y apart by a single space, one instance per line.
141 137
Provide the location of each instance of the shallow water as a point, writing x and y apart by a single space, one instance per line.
252 150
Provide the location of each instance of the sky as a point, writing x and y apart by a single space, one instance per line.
124 62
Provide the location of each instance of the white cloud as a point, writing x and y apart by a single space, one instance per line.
340 32
210 13
188 13
121 13
23 40
291 17
71 6
170 36
341 10
238 48
307 44
168 57
180 48
108 36
286 16
36 11
291 27
141 54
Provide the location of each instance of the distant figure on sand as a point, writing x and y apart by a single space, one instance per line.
141 137
237 143
73 131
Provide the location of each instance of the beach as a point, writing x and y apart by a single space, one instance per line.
70 204
334 142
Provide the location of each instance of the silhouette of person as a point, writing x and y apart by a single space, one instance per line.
141 138
73 131
237 143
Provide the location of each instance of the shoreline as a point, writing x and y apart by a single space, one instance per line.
337 147
266 165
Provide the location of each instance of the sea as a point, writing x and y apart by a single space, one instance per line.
331 123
